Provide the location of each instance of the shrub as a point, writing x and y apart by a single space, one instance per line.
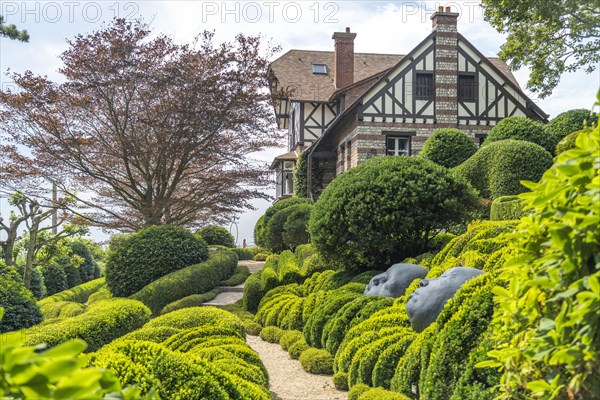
298 348
295 226
357 391
77 294
568 122
252 292
410 196
252 328
194 300
274 229
381 394
521 128
88 268
55 278
317 361
195 279
20 307
216 235
247 253
546 323
193 317
506 208
289 338
340 381
149 254
448 147
384 368
261 256
498 168
102 322
568 142
271 334
62 309
259 231
102 294
240 274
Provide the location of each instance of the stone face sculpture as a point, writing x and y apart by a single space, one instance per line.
425 304
394 281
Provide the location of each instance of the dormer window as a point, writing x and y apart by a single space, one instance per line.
319 69
424 86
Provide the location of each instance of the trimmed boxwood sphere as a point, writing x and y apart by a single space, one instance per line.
217 235
385 210
569 122
448 147
521 128
149 254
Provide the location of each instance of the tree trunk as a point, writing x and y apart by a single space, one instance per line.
9 246
33 232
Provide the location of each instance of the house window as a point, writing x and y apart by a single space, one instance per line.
288 183
467 88
424 86
319 69
349 155
481 140
398 145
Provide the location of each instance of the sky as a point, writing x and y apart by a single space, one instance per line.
382 27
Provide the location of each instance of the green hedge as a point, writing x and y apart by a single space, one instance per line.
260 229
297 348
448 147
295 226
55 278
381 394
410 196
568 122
62 309
195 279
194 300
506 208
271 334
101 323
568 142
252 291
240 274
498 167
317 361
150 254
77 294
289 338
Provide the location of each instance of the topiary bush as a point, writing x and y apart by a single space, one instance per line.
506 208
55 278
194 300
298 348
88 270
271 334
19 304
260 229
149 254
386 210
77 294
448 147
240 274
568 122
261 256
100 324
498 168
381 394
216 235
568 142
252 292
195 279
521 128
295 226
289 338
316 361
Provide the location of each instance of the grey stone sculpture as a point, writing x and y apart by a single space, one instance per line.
425 304
394 281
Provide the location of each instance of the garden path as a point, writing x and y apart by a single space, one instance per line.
288 381
231 294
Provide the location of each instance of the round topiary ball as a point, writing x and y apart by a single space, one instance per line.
448 147
385 210
521 128
568 142
149 254
295 227
217 235
569 122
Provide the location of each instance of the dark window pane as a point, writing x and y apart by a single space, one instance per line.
424 86
467 88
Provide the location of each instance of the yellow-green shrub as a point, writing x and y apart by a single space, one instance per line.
317 361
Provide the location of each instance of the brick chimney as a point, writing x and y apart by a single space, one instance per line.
446 66
343 59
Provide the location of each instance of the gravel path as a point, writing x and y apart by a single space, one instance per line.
288 381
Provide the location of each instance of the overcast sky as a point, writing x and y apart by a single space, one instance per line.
382 27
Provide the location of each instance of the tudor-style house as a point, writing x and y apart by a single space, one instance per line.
344 107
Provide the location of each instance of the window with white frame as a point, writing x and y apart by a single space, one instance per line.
398 145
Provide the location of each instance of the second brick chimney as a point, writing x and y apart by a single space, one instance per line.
343 59
446 66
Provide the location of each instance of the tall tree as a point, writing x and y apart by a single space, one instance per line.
11 31
549 36
158 132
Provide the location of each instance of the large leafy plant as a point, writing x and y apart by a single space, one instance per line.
548 319
57 373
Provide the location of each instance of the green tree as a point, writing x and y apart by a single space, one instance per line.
550 37
11 32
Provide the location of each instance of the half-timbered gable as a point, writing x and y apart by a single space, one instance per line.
406 92
344 108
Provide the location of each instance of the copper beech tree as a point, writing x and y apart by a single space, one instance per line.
147 131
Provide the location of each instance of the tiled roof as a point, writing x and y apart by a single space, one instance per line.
294 71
